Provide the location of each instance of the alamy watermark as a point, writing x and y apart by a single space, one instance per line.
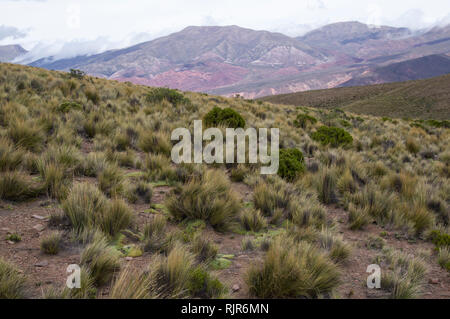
374 280
213 152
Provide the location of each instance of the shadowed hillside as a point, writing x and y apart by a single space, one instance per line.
422 99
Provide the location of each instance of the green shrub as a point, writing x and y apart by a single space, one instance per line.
12 282
173 96
291 164
440 239
333 136
224 117
14 237
303 120
202 285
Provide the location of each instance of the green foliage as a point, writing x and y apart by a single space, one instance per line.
224 117
14 237
440 239
202 285
333 136
303 120
291 164
173 96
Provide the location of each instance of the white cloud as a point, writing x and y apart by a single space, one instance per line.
119 23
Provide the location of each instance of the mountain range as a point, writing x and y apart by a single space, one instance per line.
232 60
10 52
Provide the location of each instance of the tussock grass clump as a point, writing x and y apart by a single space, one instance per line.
102 260
171 273
204 249
83 205
208 198
87 288
114 217
406 278
110 181
140 191
375 203
291 164
10 156
293 270
337 248
253 220
26 135
94 163
12 282
412 146
154 234
16 186
271 197
444 258
154 142
51 244
358 217
326 186
55 177
307 211
401 183
132 284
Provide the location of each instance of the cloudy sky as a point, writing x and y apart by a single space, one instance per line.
68 27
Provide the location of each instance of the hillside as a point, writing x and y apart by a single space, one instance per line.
230 60
87 178
9 52
422 99
415 69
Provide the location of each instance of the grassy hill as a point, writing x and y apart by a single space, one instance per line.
86 177
422 99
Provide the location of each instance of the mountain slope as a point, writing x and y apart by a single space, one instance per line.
415 69
9 52
198 58
426 99
233 60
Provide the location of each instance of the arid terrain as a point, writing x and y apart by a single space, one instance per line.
86 178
